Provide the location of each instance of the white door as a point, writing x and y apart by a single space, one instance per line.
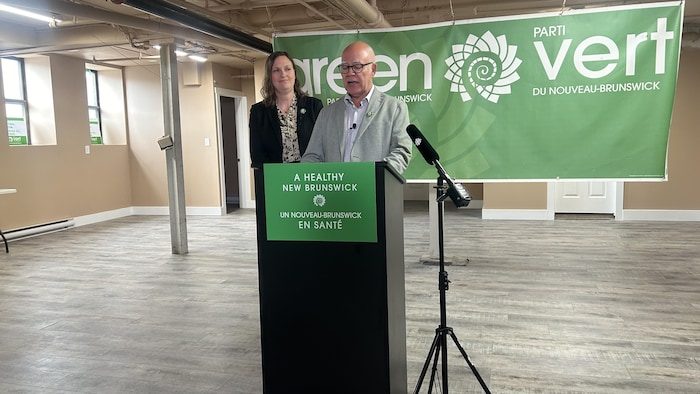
584 197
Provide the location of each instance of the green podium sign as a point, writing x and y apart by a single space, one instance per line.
334 202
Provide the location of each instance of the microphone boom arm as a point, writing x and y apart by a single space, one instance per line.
455 191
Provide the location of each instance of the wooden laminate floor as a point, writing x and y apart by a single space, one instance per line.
563 306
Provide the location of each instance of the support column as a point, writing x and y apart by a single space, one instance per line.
173 155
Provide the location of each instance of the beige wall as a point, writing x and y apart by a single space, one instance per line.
259 76
148 176
61 181
227 78
515 195
198 122
201 163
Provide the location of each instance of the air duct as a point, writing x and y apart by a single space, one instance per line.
195 21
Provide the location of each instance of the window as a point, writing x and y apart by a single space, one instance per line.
94 113
15 100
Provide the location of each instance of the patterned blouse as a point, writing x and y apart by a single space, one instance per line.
290 140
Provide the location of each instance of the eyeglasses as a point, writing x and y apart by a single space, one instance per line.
357 67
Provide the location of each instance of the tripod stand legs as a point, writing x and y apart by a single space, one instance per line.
433 349
469 362
440 345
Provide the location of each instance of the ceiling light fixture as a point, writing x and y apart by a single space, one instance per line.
199 58
29 14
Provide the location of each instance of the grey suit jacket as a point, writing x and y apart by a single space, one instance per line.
382 134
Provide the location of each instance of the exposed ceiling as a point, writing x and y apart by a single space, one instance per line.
123 32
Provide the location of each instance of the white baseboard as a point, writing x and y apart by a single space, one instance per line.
205 211
194 211
627 215
150 211
661 215
515 214
102 216
156 211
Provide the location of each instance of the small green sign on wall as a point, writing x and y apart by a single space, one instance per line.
333 202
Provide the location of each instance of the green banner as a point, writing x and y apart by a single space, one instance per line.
580 94
321 202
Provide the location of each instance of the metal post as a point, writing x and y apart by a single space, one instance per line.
173 156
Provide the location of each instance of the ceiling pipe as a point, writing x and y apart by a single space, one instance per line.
207 12
81 11
369 13
321 14
190 19
299 18
250 4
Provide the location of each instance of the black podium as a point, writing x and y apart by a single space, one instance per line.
332 313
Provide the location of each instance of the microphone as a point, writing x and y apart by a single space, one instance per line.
424 147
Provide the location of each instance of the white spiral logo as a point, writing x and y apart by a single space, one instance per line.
491 66
319 200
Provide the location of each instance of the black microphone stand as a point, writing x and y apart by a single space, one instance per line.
439 345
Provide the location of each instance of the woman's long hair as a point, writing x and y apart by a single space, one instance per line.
268 90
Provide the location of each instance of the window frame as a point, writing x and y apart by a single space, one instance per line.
92 75
23 102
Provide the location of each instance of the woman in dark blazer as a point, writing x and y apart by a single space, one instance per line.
281 124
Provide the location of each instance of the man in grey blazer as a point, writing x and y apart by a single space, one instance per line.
366 125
